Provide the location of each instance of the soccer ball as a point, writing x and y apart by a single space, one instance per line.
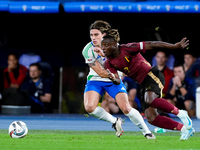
17 129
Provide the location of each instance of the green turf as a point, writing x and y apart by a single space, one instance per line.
96 140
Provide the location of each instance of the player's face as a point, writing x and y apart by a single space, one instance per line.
161 58
178 71
34 72
96 37
108 47
189 60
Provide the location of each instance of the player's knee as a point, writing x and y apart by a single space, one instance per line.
126 109
89 108
150 119
151 115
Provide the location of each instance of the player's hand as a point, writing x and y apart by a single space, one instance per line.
111 76
182 44
99 51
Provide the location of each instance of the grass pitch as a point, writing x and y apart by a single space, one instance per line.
96 140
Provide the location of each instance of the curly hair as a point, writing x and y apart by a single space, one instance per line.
113 34
100 25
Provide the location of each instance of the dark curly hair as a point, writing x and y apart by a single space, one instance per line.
113 34
100 25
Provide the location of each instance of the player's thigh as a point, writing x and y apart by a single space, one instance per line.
123 103
93 93
113 89
91 100
151 114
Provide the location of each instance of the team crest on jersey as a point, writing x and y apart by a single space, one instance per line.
127 58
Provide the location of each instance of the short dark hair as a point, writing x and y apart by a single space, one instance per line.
37 65
189 52
14 54
100 25
179 65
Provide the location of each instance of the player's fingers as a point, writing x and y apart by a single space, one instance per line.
96 50
108 71
186 43
183 40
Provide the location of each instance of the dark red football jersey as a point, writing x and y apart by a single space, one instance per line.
130 61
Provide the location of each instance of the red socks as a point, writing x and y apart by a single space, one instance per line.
162 121
167 123
164 105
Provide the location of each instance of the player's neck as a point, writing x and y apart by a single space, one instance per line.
116 53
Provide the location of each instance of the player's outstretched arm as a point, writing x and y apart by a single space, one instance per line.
158 44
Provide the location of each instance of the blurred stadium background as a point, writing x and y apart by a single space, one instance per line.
57 30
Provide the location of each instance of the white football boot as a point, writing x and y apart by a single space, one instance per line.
150 136
118 127
183 115
185 134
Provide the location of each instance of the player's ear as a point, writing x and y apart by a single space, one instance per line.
114 45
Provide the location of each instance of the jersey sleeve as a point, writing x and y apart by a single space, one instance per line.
89 54
107 65
134 47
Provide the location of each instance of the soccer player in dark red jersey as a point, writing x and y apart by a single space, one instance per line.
127 58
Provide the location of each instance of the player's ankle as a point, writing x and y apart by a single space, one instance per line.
180 114
183 128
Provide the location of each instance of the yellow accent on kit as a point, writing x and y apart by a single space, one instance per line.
126 68
157 80
127 59
147 63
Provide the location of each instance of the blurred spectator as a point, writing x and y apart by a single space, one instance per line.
29 58
192 67
182 91
189 60
39 90
14 74
109 104
161 59
169 62
131 87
